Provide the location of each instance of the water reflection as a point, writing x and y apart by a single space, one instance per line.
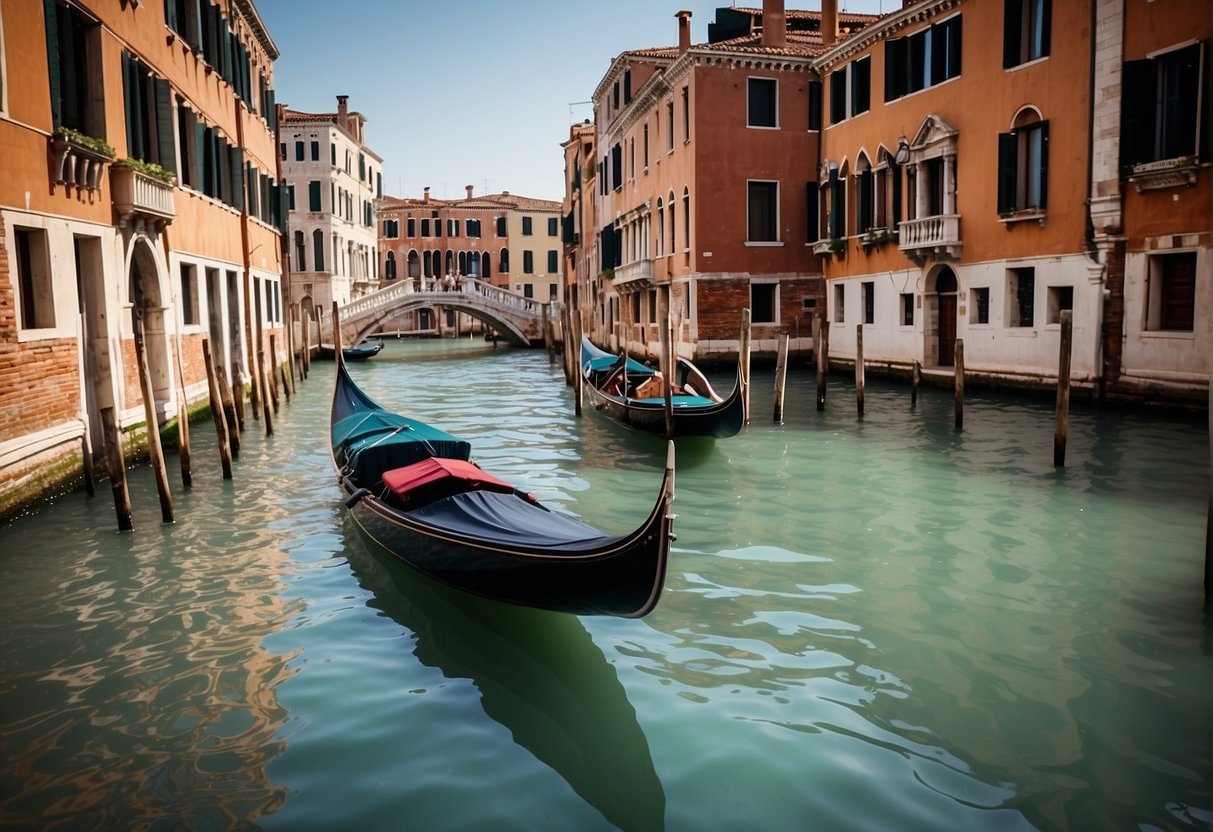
539 674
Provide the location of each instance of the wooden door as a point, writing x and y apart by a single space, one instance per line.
947 330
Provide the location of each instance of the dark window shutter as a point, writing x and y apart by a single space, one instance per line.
838 95
1008 152
1044 164
836 203
893 64
130 90
170 14
200 139
313 196
861 85
895 176
627 86
236 155
1139 99
1012 32
954 40
814 105
51 14
164 125
863 200
1047 27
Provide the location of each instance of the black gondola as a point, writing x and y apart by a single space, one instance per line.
634 395
358 352
413 489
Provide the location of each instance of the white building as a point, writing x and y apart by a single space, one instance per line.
333 180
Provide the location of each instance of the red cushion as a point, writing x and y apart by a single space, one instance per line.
453 474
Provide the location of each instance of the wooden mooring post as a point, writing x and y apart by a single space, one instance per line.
960 383
578 391
228 402
1062 428
237 388
281 367
781 377
743 357
915 380
667 360
819 356
183 422
305 326
155 449
859 369
218 411
117 469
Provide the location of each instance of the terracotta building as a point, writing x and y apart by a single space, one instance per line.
511 241
138 196
333 181
913 176
976 188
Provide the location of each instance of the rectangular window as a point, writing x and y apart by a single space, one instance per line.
189 294
814 105
763 308
907 309
528 262
763 96
528 290
1023 156
299 150
923 59
526 227
332 155
840 309
838 95
1164 107
313 195
1171 292
149 115
315 151
869 302
425 228
411 226
762 207
73 45
36 287
473 228
553 227
669 112
553 261
1061 299
1021 297
1025 31
500 227
860 73
981 305
452 228
686 114
391 229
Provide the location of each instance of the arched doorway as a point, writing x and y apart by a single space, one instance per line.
147 320
945 305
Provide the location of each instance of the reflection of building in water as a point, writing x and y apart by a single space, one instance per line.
153 697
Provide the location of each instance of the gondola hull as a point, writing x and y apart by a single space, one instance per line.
692 415
504 546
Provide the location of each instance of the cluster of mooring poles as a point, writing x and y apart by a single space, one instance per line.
226 399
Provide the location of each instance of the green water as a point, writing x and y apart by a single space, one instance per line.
876 624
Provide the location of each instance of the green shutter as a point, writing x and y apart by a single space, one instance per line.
51 14
200 139
1044 164
236 155
313 196
130 85
1008 152
164 125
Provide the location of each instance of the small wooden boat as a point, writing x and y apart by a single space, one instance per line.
413 489
634 395
358 352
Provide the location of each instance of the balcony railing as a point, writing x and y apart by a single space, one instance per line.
139 195
937 236
75 165
635 275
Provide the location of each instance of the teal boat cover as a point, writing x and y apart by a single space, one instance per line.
371 442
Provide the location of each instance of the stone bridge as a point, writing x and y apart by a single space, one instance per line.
519 320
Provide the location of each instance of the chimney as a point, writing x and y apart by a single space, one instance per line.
469 190
829 22
343 111
426 194
774 23
684 31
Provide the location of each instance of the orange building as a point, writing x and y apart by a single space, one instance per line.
977 181
138 195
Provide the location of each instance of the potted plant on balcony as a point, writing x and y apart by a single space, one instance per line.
65 137
838 247
78 159
147 169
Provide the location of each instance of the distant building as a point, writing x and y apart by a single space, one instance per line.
333 181
138 195
511 241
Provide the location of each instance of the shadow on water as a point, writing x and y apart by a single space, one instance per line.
539 674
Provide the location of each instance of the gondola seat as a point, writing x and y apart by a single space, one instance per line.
437 477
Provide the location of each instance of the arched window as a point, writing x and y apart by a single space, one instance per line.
450 262
463 262
501 226
1023 163
414 264
300 252
318 250
864 197
486 266
429 265
389 268
686 216
660 227
670 211
504 261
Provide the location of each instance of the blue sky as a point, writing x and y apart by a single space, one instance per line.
471 92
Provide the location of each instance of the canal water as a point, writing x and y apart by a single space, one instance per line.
876 624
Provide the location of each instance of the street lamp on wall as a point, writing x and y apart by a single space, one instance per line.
903 151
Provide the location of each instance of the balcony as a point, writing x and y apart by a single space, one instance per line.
139 196
635 275
76 164
936 237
